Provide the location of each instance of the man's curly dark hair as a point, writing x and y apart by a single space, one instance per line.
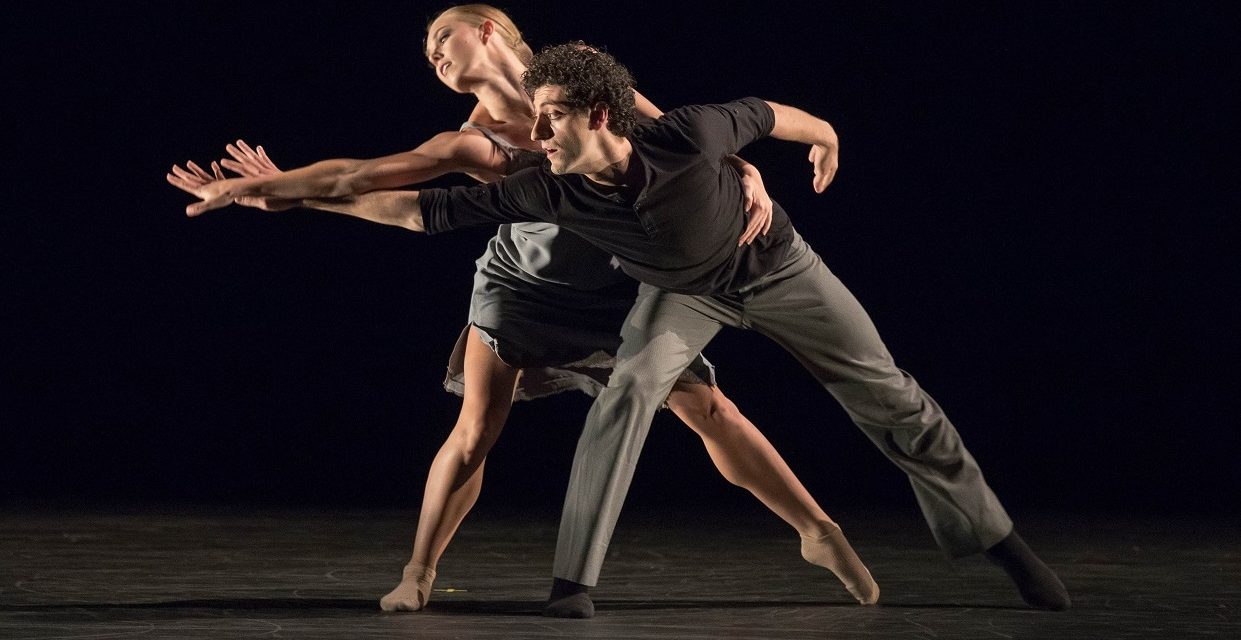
588 77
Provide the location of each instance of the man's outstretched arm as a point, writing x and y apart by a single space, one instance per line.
398 208
796 125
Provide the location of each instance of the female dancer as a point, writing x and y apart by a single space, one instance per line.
546 308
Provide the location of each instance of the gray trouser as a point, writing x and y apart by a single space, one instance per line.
805 309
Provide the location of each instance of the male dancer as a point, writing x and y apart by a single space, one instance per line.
658 196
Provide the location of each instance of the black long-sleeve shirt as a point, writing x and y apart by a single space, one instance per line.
679 233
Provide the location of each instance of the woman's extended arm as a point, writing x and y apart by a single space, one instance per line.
445 153
398 208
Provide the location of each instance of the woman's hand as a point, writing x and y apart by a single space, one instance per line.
757 204
211 190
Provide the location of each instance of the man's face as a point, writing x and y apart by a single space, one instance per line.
563 131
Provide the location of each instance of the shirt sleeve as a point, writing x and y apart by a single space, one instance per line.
520 197
723 129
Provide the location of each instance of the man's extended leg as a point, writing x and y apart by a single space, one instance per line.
659 339
806 309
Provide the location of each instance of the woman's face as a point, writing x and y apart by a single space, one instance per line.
454 48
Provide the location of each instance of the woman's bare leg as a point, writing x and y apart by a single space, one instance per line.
747 459
456 474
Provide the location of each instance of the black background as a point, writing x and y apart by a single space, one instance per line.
1035 204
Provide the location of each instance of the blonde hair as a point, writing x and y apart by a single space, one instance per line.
476 14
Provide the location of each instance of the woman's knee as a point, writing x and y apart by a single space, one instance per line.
706 410
474 437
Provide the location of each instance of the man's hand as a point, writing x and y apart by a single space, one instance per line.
757 204
826 159
198 182
249 162
253 162
795 125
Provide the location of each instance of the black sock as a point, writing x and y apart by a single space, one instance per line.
1036 582
569 600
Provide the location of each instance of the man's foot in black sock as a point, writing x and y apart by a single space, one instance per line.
569 600
1038 584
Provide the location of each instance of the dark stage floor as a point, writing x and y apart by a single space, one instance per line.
211 573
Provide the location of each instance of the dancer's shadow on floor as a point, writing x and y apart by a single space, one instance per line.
500 607
476 607
247 604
